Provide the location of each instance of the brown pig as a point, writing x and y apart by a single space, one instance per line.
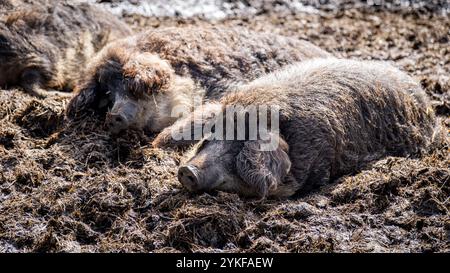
334 117
138 81
45 44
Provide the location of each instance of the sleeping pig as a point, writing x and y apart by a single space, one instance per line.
44 44
138 81
334 116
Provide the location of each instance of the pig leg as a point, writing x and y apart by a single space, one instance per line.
195 122
31 83
37 91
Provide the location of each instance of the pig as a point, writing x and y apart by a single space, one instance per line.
335 116
137 82
45 44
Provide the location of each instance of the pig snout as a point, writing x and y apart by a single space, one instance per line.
116 123
189 177
121 116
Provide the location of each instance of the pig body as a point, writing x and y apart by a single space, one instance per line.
158 70
335 116
45 44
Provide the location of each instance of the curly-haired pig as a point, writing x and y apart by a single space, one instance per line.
335 116
139 81
45 44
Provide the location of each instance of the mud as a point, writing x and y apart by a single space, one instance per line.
70 187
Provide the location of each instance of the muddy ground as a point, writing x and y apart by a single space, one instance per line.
68 187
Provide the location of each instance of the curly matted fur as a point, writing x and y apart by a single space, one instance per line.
335 116
166 67
45 44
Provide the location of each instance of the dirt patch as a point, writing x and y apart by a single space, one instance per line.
68 187
40 119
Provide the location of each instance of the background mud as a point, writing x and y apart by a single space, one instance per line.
71 187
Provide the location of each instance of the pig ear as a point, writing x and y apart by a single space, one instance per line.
263 170
195 122
83 101
146 74
91 94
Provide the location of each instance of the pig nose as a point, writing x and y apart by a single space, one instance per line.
188 176
116 122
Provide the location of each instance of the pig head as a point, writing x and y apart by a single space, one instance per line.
237 166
